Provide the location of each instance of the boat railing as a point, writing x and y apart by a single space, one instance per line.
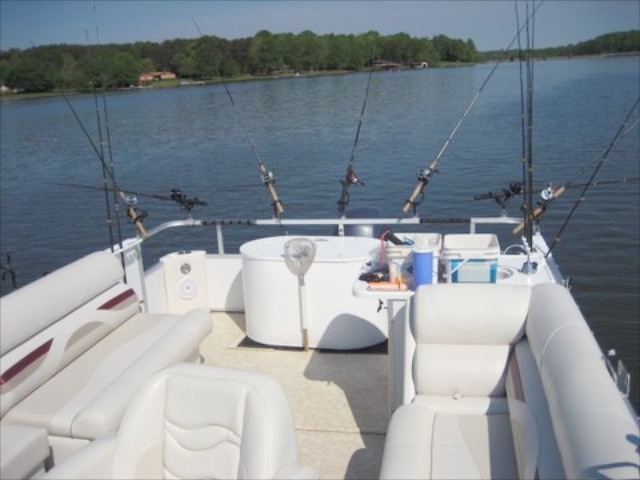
340 223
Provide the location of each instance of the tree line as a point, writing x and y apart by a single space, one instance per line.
77 67
609 43
83 67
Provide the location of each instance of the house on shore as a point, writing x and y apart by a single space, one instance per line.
148 77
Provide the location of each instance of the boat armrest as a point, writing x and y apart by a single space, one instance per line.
24 451
91 462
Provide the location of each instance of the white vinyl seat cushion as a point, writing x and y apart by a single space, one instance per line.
457 424
197 421
88 398
446 438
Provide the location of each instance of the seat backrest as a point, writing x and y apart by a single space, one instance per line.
463 335
596 433
47 324
198 421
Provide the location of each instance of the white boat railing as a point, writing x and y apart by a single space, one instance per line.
340 223
131 249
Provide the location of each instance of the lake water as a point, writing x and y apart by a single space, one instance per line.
190 138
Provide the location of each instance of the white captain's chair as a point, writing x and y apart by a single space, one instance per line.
197 421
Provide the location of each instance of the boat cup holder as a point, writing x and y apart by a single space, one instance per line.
504 273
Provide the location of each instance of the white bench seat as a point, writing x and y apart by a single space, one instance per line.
88 398
74 348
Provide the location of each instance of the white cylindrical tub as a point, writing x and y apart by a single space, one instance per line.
336 319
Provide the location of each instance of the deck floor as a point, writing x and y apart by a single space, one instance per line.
339 400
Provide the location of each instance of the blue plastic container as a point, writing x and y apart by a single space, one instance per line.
422 266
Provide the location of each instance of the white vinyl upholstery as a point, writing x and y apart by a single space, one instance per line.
457 424
596 434
555 414
534 441
463 334
88 398
25 451
34 307
197 421
75 347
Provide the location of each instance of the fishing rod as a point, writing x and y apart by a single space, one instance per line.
515 188
351 178
267 176
176 195
134 215
108 170
527 126
552 193
579 199
424 175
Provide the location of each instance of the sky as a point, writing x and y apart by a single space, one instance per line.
491 24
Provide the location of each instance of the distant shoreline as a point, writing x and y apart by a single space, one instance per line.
252 78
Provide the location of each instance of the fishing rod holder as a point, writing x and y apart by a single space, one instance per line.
135 215
7 269
424 175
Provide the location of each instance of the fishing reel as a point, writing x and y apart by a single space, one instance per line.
268 177
547 194
351 178
131 200
425 174
545 197
185 202
133 213
503 197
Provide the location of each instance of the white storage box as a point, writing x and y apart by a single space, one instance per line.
470 258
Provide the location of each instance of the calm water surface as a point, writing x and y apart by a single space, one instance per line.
189 138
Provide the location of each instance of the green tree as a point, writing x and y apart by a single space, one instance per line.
147 65
339 51
205 57
108 68
122 70
185 65
29 75
313 51
229 67
265 53
72 76
424 50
